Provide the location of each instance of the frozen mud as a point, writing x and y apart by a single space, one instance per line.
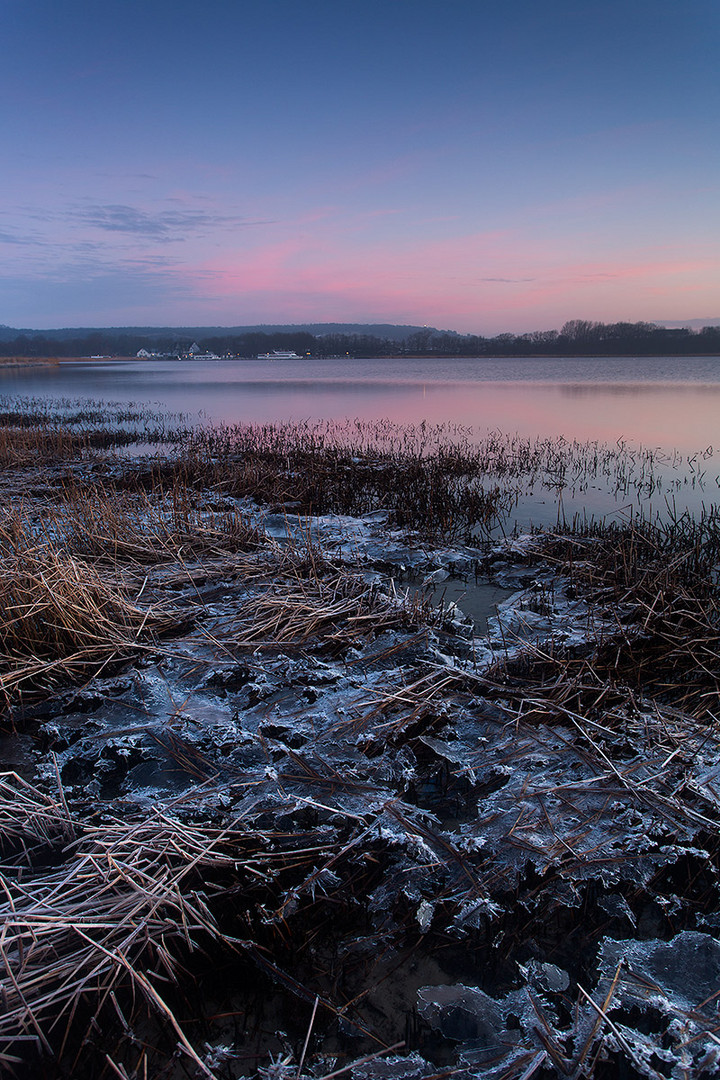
447 865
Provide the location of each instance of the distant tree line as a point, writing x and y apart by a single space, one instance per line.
576 338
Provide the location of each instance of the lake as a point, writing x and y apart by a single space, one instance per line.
668 404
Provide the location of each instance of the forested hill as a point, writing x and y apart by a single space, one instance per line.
382 331
576 338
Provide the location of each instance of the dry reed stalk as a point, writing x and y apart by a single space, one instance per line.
62 619
117 904
658 583
395 710
147 527
339 610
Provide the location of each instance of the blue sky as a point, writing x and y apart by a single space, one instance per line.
468 165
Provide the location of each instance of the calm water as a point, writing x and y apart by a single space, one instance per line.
663 403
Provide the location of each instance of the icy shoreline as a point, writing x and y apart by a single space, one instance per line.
292 794
463 819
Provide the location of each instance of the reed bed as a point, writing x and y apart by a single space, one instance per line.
102 925
463 482
46 432
74 412
162 525
424 484
659 582
440 480
62 619
48 445
423 495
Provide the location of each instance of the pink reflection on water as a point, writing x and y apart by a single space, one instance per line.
671 416
685 418
661 404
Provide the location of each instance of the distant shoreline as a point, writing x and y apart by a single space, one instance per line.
55 361
29 361
404 356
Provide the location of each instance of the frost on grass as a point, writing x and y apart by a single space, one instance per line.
496 848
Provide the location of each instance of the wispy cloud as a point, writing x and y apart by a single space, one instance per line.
156 225
22 240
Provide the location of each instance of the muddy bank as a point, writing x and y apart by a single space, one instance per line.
304 814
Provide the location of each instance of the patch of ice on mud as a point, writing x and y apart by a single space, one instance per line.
675 984
464 1014
543 613
525 545
394 1068
677 976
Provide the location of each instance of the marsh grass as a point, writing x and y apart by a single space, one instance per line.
104 920
74 595
111 916
440 481
334 610
147 527
62 619
36 431
659 583
23 446
69 591
434 490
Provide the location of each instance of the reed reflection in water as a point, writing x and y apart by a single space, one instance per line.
666 405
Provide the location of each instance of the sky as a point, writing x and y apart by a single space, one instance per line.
464 164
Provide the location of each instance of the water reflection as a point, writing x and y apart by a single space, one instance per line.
660 403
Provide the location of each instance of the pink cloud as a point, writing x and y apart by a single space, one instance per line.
496 276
